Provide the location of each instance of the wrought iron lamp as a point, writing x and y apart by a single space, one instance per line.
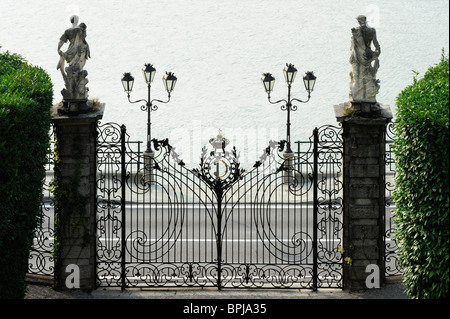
169 80
290 72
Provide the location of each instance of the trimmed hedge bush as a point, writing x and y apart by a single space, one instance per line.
421 194
26 94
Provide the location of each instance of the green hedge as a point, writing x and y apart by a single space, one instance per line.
421 194
26 94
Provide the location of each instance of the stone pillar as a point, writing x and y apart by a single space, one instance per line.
148 166
288 174
75 197
363 195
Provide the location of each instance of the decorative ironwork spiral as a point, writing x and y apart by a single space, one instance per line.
153 107
284 107
41 260
298 247
330 187
108 133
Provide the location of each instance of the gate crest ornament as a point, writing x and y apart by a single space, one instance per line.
220 168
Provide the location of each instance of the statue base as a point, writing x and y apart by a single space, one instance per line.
74 107
346 111
363 109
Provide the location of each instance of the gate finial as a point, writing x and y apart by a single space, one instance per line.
219 142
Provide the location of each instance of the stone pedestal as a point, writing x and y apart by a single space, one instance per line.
74 107
75 174
363 193
362 109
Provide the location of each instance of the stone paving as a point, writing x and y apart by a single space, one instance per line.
393 289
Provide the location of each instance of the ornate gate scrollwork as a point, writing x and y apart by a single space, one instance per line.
160 223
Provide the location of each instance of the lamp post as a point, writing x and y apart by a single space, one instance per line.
149 72
290 72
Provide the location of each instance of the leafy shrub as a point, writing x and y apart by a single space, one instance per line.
26 94
421 194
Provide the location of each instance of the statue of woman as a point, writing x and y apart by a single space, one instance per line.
76 55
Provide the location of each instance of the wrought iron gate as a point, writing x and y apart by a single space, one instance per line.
276 225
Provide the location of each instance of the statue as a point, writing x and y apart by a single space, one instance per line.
364 86
75 94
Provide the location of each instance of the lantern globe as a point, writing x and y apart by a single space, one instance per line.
127 82
289 73
149 73
309 80
268 81
169 80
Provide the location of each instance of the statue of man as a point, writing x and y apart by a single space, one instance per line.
364 85
76 55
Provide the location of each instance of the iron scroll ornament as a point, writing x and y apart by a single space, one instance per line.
220 182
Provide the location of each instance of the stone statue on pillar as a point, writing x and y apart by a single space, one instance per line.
75 94
364 85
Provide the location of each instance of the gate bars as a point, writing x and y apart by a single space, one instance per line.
277 225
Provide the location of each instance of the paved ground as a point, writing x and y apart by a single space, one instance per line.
393 289
228 303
